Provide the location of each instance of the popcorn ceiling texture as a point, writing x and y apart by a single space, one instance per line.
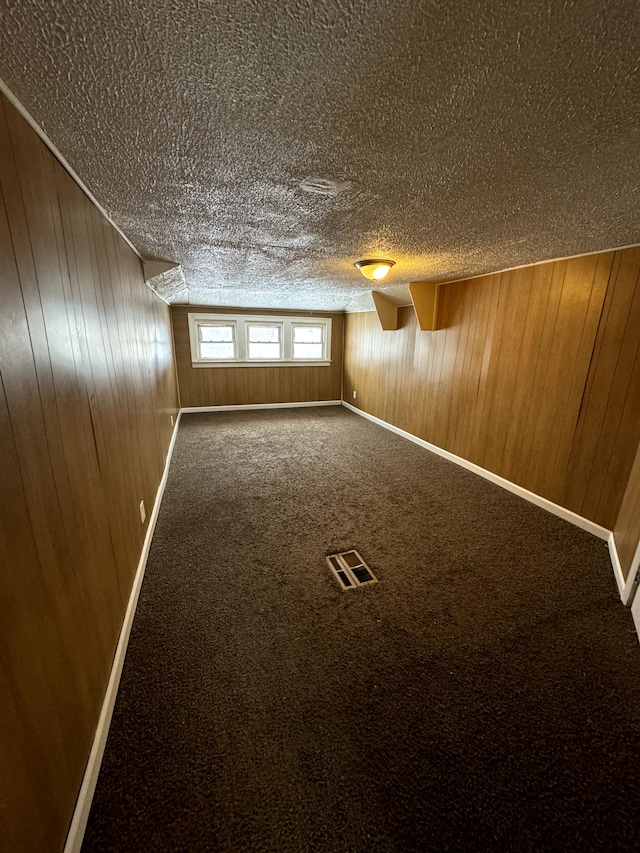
171 283
460 137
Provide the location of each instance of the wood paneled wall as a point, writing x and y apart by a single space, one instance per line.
533 374
87 387
234 386
627 529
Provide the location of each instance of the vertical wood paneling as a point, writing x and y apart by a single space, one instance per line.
566 356
87 387
234 386
533 374
611 411
627 529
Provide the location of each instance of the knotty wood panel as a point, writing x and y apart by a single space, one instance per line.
232 386
534 375
87 387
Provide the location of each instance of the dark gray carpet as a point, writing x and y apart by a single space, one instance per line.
485 695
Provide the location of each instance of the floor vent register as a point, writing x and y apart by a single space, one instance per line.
350 570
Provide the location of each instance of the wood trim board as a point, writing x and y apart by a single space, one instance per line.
425 298
387 311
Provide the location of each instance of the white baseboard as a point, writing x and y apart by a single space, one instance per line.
617 568
566 514
629 592
87 789
635 612
633 578
260 406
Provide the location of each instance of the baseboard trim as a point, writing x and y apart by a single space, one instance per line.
617 568
629 591
187 409
544 503
635 612
87 789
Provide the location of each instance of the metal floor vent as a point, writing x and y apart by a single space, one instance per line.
350 569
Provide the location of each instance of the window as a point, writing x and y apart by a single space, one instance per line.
308 341
242 340
217 341
264 341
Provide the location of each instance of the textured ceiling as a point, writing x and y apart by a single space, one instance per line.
266 145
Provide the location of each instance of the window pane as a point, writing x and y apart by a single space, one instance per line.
307 334
216 350
307 350
266 350
216 333
264 334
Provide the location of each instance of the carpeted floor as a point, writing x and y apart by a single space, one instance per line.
485 695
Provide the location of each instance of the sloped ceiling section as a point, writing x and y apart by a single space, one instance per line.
267 145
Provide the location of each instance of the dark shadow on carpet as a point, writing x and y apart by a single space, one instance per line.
485 695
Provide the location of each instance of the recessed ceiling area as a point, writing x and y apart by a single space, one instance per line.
267 146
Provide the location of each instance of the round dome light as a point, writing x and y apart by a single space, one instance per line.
374 269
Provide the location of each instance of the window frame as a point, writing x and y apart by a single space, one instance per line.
241 323
270 325
198 340
295 324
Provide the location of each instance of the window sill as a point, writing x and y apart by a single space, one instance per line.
281 363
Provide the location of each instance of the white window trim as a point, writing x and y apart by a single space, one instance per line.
240 335
271 324
198 340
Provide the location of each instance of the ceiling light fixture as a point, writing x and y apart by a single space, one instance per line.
374 269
